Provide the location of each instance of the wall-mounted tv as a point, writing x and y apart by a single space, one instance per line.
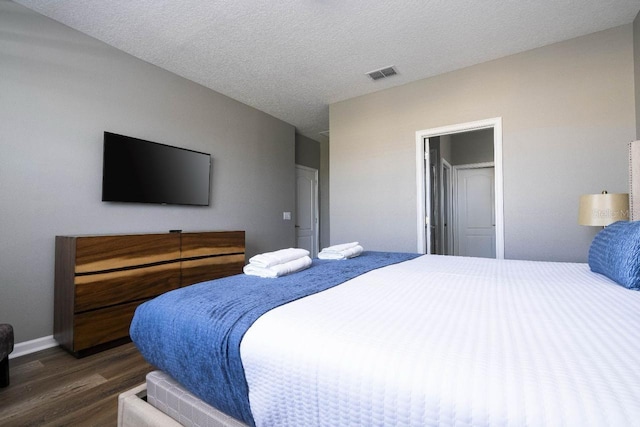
135 170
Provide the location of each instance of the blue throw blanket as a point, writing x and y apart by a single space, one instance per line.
194 333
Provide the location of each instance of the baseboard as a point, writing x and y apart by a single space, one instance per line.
28 347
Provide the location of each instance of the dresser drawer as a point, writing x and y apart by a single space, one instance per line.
97 327
106 289
102 253
203 269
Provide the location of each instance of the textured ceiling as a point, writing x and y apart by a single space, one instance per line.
292 58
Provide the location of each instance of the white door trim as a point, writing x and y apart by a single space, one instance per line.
422 186
476 165
447 233
316 210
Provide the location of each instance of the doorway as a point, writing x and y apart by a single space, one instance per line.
435 182
306 223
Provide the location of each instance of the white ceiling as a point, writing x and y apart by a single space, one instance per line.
292 58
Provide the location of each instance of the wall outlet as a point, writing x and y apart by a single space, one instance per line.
286 216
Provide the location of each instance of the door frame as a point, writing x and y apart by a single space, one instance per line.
316 210
423 181
446 197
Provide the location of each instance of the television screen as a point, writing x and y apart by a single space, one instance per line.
135 170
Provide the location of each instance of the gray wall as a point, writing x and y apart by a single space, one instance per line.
307 152
325 196
472 147
466 147
314 154
59 90
445 148
568 112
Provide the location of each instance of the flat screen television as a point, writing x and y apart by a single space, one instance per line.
139 171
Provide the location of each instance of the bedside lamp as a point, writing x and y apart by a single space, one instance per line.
603 209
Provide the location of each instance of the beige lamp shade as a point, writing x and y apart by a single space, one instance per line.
603 209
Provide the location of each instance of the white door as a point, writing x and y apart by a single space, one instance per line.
307 209
475 216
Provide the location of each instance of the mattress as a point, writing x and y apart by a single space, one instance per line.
451 341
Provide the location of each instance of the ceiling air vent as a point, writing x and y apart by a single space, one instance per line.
382 73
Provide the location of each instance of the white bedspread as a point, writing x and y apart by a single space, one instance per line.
451 341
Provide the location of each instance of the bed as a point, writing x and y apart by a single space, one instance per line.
402 339
450 341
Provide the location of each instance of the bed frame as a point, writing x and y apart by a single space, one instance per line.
137 408
133 410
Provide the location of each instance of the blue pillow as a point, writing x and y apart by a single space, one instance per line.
615 252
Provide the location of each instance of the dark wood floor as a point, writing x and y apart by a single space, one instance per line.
53 388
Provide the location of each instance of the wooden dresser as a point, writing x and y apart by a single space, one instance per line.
100 280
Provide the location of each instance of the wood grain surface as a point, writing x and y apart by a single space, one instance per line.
53 388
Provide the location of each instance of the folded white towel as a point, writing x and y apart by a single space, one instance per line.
344 254
269 259
278 269
340 247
